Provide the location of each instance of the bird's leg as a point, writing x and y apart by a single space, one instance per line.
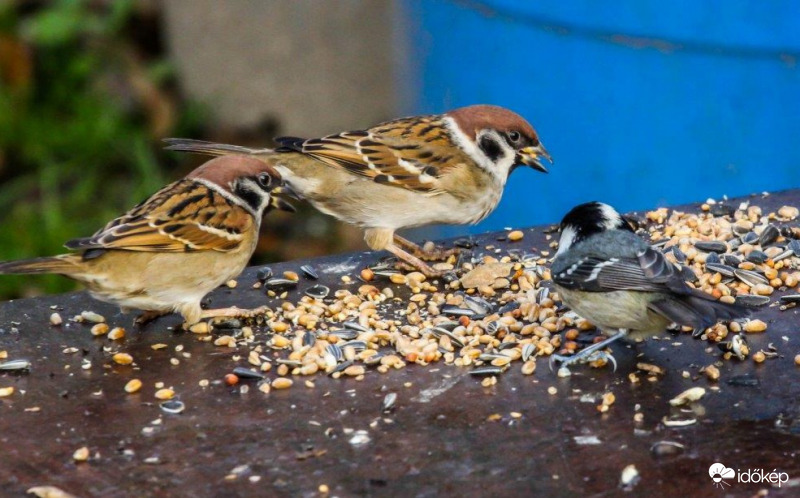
410 262
590 353
147 317
233 312
435 254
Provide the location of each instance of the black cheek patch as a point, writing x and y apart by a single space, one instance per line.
491 148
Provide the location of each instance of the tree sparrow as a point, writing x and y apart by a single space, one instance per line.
614 279
421 170
168 252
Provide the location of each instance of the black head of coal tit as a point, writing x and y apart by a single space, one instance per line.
586 220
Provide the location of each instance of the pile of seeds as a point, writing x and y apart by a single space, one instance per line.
500 311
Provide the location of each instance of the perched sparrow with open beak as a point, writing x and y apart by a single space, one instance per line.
610 276
448 168
167 253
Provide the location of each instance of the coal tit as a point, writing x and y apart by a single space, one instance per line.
610 276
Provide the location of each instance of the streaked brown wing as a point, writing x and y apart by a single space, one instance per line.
411 153
183 216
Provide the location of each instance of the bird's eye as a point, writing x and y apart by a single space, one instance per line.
264 180
514 136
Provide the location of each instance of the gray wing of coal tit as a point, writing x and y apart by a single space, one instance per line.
620 261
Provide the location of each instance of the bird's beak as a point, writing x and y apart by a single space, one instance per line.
278 202
532 156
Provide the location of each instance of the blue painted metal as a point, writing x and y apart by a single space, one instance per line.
641 103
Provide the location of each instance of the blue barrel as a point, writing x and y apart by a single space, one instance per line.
641 104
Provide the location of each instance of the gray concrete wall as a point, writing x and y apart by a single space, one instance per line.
314 66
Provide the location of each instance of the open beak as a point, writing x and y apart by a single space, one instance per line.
278 202
532 156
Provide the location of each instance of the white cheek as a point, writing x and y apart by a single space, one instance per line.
565 242
611 218
500 169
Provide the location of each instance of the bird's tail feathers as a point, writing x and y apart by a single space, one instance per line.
211 148
66 264
697 311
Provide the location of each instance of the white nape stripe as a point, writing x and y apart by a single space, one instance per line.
611 218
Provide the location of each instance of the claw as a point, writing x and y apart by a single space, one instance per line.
589 354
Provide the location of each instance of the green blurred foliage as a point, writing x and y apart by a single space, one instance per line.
82 112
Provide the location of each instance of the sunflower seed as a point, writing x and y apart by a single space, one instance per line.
478 305
507 345
15 365
713 259
374 359
318 291
757 257
388 402
309 338
542 294
440 331
751 278
246 373
464 243
746 380
711 246
680 256
769 235
357 345
493 327
527 351
450 309
288 362
172 406
790 298
309 272
335 351
264 274
341 367
752 300
749 238
487 371
346 334
355 326
731 260
720 209
280 284
509 307
783 255
794 246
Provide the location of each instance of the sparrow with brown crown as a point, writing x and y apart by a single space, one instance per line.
168 252
449 168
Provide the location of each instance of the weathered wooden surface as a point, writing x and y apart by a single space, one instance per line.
438 441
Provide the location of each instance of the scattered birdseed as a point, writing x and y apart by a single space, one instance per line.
688 396
91 316
123 359
133 386
6 391
282 383
99 329
759 357
165 394
552 390
81 454
116 333
515 235
55 319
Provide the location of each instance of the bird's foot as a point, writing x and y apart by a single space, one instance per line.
233 312
147 317
594 358
428 252
593 354
409 262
